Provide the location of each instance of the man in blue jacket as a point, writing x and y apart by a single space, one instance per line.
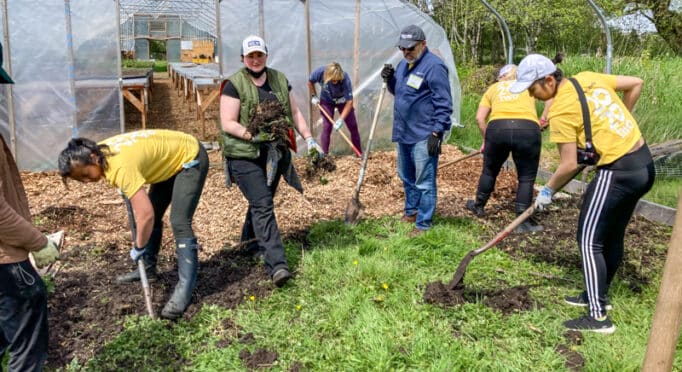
421 114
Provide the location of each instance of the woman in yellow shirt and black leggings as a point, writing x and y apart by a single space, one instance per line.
625 169
512 127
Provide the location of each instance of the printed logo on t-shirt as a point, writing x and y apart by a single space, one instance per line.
127 139
606 108
503 93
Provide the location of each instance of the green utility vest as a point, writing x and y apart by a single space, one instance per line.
234 147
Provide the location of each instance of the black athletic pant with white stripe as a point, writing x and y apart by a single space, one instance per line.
607 206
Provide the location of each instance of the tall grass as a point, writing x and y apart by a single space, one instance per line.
658 110
356 305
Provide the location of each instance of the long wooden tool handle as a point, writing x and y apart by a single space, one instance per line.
475 153
331 120
145 287
365 155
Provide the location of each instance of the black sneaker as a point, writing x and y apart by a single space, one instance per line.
280 277
581 300
134 276
588 323
477 210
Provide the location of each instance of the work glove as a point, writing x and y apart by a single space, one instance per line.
387 72
544 198
47 255
263 137
338 124
137 253
313 146
314 100
434 143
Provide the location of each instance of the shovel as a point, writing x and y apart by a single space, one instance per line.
475 153
354 207
331 120
457 279
140 263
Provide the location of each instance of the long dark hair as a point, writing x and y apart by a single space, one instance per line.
80 150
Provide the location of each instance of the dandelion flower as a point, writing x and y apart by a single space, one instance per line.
355 262
252 298
298 307
385 286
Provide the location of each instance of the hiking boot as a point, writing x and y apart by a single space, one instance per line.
474 208
409 219
415 232
280 277
590 324
581 300
528 226
188 266
134 276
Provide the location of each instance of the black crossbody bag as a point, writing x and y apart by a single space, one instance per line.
588 155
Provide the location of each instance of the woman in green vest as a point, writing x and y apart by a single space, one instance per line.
257 151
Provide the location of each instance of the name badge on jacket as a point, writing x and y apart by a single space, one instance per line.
414 81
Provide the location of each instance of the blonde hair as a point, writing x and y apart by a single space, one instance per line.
332 71
509 74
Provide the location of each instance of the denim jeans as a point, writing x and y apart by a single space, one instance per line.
23 317
418 172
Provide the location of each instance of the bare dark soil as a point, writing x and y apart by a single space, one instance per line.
87 307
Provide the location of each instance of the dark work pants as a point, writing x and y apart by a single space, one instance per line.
607 206
522 139
260 222
23 317
182 193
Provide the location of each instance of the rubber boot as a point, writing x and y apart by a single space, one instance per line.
529 225
149 259
188 266
476 207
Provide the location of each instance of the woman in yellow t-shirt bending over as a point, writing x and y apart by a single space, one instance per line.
509 124
625 170
175 165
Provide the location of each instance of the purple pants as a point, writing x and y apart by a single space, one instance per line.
327 127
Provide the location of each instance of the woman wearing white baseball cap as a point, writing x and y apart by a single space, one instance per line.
599 131
257 158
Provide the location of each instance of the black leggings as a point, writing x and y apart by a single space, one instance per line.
183 191
606 208
521 138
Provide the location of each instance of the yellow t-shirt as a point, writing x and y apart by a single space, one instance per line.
614 130
506 105
147 157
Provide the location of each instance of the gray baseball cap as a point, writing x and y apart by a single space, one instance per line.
410 36
532 68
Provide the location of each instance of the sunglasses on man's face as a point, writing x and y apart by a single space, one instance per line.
407 49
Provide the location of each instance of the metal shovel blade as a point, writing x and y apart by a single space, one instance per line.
353 211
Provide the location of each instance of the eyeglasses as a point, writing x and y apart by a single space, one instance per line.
407 49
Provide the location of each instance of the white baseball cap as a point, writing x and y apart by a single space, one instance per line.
253 44
531 68
505 70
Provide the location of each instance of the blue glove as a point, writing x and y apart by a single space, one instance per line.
136 253
338 124
314 100
312 145
544 198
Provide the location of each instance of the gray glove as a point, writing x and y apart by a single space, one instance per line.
263 137
47 255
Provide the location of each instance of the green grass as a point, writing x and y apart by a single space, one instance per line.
356 304
159 66
657 111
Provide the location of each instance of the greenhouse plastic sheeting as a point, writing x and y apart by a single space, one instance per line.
55 97
332 39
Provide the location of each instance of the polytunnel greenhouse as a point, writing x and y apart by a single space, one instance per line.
68 75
